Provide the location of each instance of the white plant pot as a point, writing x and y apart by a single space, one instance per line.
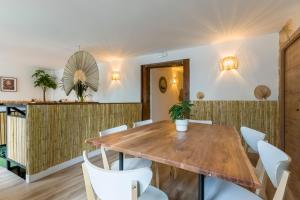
182 125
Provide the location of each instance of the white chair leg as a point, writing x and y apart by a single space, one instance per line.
280 192
88 187
173 172
156 175
260 173
104 159
134 190
155 178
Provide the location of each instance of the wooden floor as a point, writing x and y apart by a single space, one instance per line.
68 185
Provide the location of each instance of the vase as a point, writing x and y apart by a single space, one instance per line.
81 99
181 125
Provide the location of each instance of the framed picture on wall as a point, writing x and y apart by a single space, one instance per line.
8 84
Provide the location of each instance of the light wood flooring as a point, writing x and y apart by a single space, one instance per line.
68 185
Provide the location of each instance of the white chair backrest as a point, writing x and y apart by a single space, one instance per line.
274 161
113 130
142 123
252 137
109 132
116 185
201 121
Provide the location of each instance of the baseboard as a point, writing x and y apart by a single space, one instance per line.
59 167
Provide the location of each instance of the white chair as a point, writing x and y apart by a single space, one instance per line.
129 163
201 121
251 137
116 185
142 123
275 163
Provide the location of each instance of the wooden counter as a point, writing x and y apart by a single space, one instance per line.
53 133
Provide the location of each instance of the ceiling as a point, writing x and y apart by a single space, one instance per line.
46 33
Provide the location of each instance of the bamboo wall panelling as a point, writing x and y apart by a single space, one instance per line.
259 115
16 139
56 133
2 128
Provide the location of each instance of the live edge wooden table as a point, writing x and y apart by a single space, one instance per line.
207 150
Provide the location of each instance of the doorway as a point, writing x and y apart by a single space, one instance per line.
161 81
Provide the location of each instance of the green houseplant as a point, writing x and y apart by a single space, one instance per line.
179 113
44 81
80 88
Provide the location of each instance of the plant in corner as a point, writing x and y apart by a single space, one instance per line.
44 81
179 113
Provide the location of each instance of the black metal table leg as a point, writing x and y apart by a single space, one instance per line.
121 161
8 164
201 187
19 170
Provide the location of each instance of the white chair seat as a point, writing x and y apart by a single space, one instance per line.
218 189
152 193
132 163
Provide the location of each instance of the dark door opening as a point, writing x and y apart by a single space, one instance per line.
146 81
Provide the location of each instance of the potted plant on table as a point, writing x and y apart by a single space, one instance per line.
44 81
179 113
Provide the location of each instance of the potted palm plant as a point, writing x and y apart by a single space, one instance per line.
44 81
179 113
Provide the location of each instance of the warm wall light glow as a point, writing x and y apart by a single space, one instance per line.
115 76
229 63
174 81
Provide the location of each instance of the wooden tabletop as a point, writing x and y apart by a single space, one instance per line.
212 150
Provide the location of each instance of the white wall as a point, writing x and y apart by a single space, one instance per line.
258 60
25 89
258 64
161 102
127 89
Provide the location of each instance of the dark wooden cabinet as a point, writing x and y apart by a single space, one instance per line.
290 109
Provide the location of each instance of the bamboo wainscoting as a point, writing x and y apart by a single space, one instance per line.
2 128
259 115
56 132
16 139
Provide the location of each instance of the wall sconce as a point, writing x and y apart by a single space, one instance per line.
115 76
174 81
229 63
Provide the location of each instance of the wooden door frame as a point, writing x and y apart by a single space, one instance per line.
283 50
145 82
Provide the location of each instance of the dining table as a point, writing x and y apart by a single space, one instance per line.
206 150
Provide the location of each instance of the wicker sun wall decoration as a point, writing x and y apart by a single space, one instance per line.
81 68
262 92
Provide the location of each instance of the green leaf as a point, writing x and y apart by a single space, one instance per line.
180 111
43 80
